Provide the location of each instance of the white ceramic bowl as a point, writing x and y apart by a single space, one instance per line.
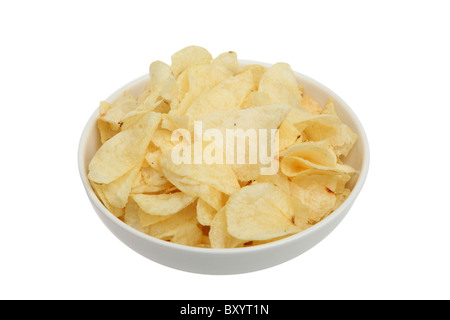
238 260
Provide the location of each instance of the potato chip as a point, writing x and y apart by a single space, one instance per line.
195 189
153 177
152 158
171 121
181 228
162 139
278 180
260 212
293 166
163 107
319 193
204 243
280 85
143 188
182 84
163 204
257 72
144 94
264 117
160 74
124 151
340 198
187 57
326 126
227 60
131 217
227 95
240 85
162 81
162 96
336 181
205 213
219 236
341 138
200 78
106 132
260 242
298 117
117 192
331 129
315 152
140 220
118 110
220 177
162 91
288 135
256 99
104 108
151 181
118 212
310 105
106 129
211 100
329 108
150 104
311 155
206 76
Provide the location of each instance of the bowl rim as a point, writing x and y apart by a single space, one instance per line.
226 251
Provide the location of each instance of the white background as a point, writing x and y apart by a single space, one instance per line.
389 60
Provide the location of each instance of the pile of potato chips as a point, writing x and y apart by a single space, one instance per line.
220 205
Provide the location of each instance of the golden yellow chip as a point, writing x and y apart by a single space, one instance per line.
219 235
227 95
341 136
124 151
195 189
288 135
163 204
234 202
106 128
257 72
200 78
227 60
326 126
132 218
187 57
310 105
311 155
181 228
118 191
280 85
98 189
259 212
138 219
118 110
152 158
319 192
205 213
162 139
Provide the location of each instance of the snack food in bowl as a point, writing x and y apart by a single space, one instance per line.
222 166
